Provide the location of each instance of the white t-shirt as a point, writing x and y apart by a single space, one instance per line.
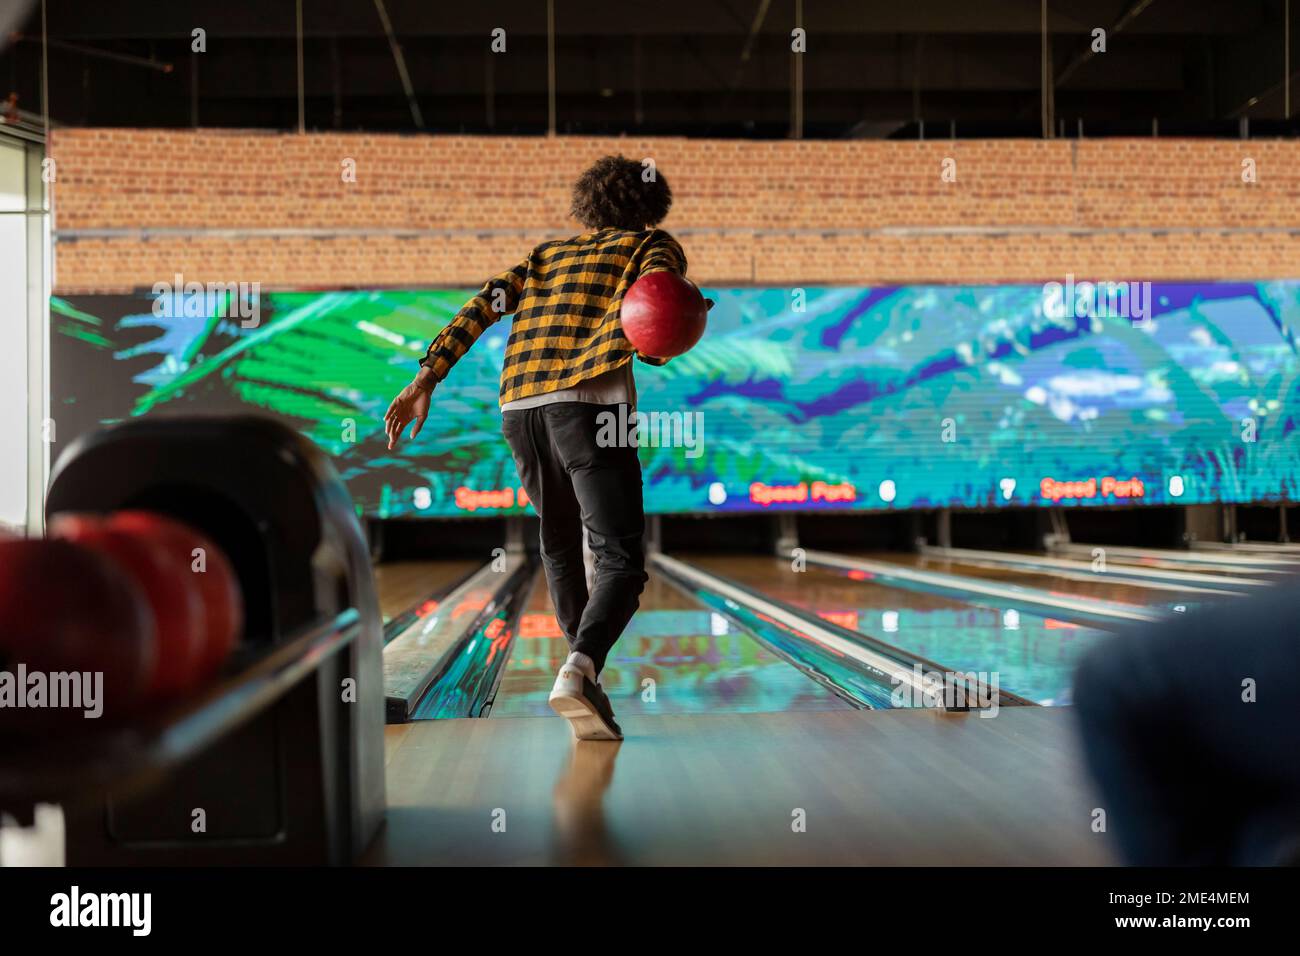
614 387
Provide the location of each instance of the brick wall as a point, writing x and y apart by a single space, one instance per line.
451 210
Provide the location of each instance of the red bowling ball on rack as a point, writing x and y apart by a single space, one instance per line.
151 603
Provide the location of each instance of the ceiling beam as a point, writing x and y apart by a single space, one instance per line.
416 116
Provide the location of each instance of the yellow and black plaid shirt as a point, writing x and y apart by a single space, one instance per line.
565 298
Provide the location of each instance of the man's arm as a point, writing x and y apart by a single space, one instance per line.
499 296
663 253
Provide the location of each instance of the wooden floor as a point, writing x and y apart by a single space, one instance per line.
876 787
402 584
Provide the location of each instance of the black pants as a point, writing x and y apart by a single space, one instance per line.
1190 729
574 482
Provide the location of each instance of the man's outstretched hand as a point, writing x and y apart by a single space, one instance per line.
410 405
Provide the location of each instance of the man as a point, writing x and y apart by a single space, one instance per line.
566 363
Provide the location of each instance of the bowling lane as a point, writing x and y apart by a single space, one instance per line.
1096 586
676 657
403 584
1032 655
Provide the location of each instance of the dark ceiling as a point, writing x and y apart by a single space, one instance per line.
689 67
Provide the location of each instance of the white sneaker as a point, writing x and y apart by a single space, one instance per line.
582 702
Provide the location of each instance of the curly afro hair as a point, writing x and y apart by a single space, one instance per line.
615 192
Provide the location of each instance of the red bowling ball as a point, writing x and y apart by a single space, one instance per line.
664 314
65 609
217 584
171 591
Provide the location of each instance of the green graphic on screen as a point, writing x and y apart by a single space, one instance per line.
796 399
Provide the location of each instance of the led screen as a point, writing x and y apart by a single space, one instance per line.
796 399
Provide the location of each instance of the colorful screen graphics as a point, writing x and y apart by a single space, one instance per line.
797 399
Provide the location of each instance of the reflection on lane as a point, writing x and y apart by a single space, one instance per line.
581 835
676 657
1031 655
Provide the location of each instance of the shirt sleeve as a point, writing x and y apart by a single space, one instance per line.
499 296
662 253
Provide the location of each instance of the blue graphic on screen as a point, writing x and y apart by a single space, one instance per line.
805 399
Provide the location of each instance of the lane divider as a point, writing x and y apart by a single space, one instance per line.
887 662
974 588
1284 549
414 659
399 622
1167 579
1269 565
